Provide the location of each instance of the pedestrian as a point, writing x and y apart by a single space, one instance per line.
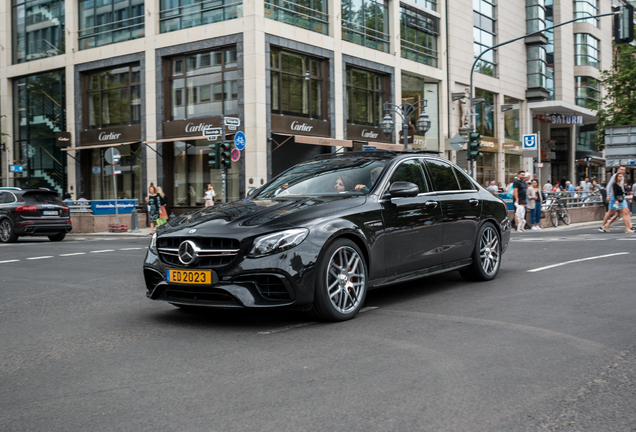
493 187
547 187
209 196
500 187
610 209
519 190
535 199
585 187
163 213
154 205
619 203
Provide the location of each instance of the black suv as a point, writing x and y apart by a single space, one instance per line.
32 212
321 234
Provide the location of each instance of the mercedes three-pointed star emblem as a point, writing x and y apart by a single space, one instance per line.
187 252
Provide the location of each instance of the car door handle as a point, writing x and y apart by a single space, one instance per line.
432 204
474 201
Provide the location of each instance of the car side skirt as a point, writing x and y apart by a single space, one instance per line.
442 268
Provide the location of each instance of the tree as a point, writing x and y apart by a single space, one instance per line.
618 106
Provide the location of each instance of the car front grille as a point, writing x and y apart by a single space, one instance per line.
212 252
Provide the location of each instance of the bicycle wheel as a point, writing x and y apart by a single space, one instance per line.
565 216
554 218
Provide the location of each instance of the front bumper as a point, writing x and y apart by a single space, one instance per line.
285 279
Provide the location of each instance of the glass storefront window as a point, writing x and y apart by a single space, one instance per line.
484 34
40 112
366 23
486 168
418 34
511 119
586 50
414 89
104 22
308 14
192 174
38 29
513 166
128 182
365 96
203 84
297 84
485 113
183 14
587 92
113 97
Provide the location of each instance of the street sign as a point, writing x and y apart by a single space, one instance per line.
112 156
457 142
16 168
232 121
108 170
235 155
212 131
239 140
529 142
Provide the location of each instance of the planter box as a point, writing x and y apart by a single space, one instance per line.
577 214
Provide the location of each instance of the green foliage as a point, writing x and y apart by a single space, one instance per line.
618 106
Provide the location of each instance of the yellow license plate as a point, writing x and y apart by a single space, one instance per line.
189 276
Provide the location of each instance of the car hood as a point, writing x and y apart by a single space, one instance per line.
260 214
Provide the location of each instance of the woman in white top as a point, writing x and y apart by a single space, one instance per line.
209 196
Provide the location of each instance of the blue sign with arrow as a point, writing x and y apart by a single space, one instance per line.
16 168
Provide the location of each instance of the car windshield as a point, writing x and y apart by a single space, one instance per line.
41 198
340 176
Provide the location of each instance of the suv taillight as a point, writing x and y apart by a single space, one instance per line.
26 208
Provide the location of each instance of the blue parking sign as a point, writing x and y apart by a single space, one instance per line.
530 142
16 168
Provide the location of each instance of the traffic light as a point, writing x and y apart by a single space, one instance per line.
226 162
473 146
624 25
214 160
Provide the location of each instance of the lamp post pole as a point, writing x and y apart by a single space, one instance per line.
405 111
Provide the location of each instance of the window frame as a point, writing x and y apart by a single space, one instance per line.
583 40
379 77
185 13
478 17
424 54
586 100
369 37
134 22
578 13
305 16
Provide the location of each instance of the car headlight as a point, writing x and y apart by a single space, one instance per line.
153 244
278 242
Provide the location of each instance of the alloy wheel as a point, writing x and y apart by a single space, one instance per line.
5 231
489 251
346 280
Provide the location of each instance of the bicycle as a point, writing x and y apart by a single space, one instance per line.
558 211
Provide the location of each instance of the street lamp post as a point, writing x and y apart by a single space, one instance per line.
405 111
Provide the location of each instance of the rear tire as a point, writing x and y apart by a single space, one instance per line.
57 237
486 255
341 282
565 217
7 233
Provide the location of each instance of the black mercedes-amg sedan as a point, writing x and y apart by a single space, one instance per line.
32 212
323 233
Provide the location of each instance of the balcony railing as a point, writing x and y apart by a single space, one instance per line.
297 15
365 36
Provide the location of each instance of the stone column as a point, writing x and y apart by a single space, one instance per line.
151 29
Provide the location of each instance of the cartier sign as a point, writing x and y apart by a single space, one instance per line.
366 133
191 127
300 126
62 139
111 135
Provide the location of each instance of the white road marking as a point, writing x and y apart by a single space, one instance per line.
73 254
41 257
133 248
576 261
282 329
8 261
105 250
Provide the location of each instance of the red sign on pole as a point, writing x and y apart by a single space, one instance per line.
235 155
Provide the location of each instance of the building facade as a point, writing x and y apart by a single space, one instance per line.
302 77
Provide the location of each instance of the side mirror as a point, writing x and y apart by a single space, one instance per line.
400 189
251 192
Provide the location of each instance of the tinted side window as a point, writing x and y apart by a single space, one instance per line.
464 182
3 197
410 171
41 198
442 176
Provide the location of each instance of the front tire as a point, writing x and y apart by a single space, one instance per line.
57 237
486 255
7 233
341 283
554 218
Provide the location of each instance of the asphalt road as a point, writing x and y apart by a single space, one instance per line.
82 349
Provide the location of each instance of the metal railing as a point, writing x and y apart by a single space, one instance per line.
572 199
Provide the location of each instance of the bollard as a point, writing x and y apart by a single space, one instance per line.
134 222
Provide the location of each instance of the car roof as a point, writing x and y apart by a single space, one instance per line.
25 190
376 154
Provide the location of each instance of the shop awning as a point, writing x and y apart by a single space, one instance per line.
314 140
386 146
594 161
190 138
99 146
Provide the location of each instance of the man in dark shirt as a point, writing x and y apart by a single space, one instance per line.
519 189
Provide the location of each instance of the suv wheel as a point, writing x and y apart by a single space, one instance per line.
57 237
7 233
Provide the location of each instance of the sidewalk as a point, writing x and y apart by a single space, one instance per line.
143 232
592 225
